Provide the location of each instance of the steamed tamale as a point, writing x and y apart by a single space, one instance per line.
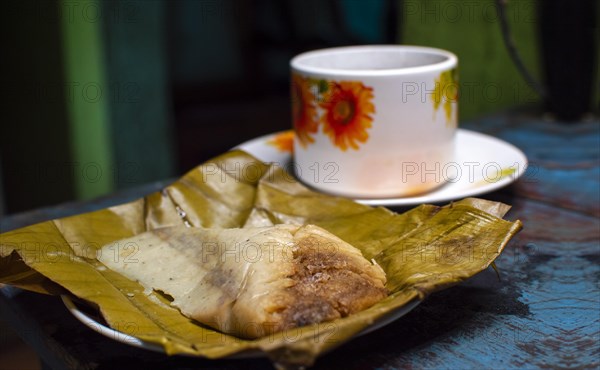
251 282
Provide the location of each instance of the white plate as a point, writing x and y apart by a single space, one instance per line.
92 321
482 164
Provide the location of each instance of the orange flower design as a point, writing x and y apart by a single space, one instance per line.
283 141
348 107
304 113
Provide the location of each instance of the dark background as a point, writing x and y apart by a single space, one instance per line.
105 95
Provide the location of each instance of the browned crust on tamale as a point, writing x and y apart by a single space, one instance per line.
328 285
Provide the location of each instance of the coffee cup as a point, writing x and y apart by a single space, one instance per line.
374 121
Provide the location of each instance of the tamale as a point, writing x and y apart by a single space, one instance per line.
251 282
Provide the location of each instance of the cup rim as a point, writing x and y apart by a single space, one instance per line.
297 62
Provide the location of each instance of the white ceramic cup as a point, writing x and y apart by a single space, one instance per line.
374 121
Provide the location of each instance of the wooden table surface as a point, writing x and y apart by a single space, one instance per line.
543 313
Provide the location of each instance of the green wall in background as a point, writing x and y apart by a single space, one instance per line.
489 80
87 100
87 110
138 91
115 59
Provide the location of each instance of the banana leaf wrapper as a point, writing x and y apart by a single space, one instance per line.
423 250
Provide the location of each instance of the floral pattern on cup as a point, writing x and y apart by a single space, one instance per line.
348 106
446 93
346 110
304 113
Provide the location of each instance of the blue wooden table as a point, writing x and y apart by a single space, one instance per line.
544 312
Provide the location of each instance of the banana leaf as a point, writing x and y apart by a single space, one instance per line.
423 250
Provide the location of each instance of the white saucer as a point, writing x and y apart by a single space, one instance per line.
484 163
